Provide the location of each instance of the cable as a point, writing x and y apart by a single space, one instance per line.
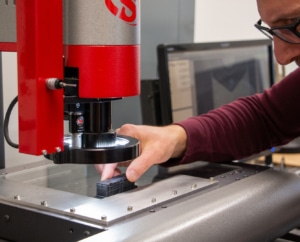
6 122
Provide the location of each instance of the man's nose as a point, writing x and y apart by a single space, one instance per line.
285 53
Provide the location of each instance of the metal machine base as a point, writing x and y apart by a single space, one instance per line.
197 202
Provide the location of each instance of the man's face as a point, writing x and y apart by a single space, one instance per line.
277 13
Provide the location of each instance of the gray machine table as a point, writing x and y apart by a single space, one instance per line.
197 202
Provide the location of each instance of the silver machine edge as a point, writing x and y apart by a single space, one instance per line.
203 201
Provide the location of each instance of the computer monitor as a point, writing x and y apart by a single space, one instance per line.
198 77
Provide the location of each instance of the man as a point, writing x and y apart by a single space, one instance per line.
240 129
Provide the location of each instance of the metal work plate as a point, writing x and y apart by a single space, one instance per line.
101 211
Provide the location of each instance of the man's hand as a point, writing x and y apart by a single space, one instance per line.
108 170
157 145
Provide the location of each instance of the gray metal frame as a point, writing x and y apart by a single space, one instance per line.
7 34
262 207
196 202
2 148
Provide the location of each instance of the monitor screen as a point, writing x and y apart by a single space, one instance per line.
198 77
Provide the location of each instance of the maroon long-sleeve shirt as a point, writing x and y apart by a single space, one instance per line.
246 126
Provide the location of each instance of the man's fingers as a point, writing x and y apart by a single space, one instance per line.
139 166
109 171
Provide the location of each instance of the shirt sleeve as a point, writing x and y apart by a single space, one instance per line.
246 126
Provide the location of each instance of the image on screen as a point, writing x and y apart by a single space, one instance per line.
202 77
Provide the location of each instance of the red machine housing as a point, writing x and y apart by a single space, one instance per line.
40 56
105 71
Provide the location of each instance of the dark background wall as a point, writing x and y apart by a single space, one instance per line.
162 21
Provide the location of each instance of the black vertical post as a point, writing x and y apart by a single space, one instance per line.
2 150
100 117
